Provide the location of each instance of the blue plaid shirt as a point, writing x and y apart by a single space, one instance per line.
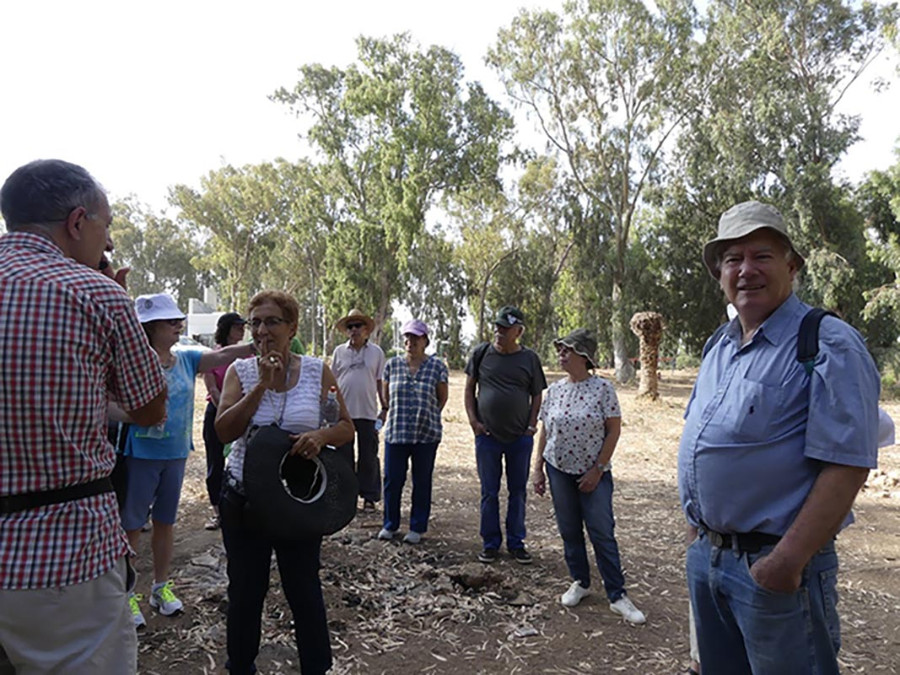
414 415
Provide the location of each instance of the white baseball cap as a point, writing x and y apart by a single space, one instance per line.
157 307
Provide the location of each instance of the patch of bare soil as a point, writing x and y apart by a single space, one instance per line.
396 608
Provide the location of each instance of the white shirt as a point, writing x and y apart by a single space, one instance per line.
357 372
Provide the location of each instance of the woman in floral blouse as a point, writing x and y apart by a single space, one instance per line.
581 422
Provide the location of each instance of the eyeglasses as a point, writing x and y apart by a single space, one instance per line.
174 322
563 349
268 322
351 326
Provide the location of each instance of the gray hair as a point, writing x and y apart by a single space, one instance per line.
43 193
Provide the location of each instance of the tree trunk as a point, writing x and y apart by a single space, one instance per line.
624 369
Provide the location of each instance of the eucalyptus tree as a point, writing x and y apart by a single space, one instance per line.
309 209
770 128
398 130
608 82
236 212
157 250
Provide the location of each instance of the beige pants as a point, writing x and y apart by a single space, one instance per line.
85 629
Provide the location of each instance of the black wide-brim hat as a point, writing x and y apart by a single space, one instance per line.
293 497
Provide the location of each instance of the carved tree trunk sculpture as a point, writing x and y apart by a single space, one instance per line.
648 326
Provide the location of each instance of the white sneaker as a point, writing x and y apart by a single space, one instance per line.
136 614
575 594
386 534
413 537
163 599
627 610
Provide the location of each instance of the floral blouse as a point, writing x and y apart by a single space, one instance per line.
574 416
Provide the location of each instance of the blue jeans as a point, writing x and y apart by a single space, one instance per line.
744 628
396 463
576 510
490 454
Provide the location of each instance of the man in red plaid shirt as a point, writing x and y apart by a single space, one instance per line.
70 341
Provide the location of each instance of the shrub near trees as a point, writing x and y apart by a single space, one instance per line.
655 118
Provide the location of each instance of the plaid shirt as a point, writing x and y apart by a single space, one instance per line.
414 415
69 336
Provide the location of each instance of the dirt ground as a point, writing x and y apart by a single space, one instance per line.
396 608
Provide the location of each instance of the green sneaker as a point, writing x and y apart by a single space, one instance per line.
163 599
139 620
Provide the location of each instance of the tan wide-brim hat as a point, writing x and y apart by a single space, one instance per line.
353 316
741 220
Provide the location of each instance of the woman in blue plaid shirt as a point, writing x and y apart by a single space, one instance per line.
415 386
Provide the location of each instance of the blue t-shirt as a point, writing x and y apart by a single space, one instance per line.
174 438
758 428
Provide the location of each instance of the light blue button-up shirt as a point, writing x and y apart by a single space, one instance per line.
757 427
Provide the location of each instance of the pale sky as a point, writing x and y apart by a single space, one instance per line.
147 95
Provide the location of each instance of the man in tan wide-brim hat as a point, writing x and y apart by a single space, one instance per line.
358 365
771 458
355 316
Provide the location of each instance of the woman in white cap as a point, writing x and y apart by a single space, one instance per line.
581 422
415 387
156 456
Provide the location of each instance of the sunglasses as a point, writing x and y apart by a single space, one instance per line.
351 326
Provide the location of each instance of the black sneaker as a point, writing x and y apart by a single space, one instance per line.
488 555
521 556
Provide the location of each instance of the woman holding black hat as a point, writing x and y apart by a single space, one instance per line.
581 422
229 331
286 390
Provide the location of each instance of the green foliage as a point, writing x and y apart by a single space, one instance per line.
157 250
398 130
608 83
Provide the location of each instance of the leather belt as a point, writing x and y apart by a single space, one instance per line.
746 542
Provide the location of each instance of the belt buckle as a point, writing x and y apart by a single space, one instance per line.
716 539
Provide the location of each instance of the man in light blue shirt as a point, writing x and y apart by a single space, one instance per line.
771 459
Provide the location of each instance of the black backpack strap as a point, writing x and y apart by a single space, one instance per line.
478 357
713 339
808 337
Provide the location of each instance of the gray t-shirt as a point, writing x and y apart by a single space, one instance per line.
506 385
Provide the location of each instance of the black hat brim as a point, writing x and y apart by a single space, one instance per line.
281 514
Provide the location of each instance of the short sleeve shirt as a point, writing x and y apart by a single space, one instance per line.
73 338
758 428
507 383
357 372
414 415
574 415
174 438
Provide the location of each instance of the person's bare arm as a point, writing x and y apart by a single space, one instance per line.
816 524
539 482
382 398
212 388
442 391
151 413
236 409
472 407
533 413
224 356
591 478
